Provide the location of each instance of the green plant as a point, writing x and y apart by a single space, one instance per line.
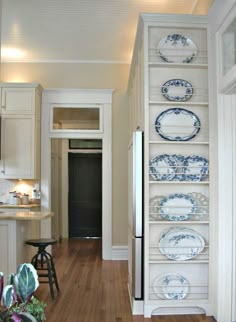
18 302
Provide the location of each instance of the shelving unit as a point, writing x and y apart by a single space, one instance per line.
191 179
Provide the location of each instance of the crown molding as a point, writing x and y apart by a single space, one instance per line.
64 61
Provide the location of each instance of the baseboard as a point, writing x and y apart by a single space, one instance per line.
120 253
136 306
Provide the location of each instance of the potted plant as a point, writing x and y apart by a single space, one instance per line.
18 302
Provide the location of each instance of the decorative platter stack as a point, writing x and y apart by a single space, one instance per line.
178 124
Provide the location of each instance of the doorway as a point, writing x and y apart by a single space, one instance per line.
77 98
85 195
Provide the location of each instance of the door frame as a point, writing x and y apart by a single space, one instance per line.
80 97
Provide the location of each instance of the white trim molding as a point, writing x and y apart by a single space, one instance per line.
120 253
65 61
55 97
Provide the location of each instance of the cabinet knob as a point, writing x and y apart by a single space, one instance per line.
3 171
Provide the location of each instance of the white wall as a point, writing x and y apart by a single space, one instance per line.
94 76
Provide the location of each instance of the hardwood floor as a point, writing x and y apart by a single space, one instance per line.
93 290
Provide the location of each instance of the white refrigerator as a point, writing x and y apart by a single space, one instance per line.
137 216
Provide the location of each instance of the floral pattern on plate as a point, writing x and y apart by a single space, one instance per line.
177 90
177 207
177 124
162 167
171 286
177 167
177 48
181 243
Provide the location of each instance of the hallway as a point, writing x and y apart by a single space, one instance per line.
93 290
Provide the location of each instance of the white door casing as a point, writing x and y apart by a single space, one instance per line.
80 97
223 118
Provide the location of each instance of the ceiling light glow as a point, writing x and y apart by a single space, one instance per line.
12 53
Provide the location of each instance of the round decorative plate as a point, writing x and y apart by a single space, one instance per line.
177 90
177 207
195 168
177 124
181 243
162 167
171 286
177 48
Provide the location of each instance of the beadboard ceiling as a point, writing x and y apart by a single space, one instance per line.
79 30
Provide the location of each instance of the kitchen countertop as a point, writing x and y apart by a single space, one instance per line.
29 206
29 215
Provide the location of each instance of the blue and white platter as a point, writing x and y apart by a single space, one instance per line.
177 48
171 286
177 167
177 90
177 124
162 167
181 243
177 207
195 168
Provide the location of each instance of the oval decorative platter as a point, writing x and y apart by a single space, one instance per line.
177 207
162 167
177 90
195 168
177 48
181 243
171 286
177 124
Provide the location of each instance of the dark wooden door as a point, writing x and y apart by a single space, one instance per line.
85 195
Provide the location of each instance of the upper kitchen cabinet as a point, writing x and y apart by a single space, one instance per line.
20 130
17 100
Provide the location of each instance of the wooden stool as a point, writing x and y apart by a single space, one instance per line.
43 263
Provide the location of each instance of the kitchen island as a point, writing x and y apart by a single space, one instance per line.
15 228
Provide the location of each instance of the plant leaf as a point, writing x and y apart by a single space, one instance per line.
27 317
1 285
15 317
8 296
26 281
11 278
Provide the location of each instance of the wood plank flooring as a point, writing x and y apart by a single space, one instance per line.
93 290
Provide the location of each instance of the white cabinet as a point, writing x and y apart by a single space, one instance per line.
20 131
173 94
17 100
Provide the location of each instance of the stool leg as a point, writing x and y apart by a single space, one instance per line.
34 261
50 277
43 257
54 271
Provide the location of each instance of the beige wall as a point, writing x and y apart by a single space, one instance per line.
71 75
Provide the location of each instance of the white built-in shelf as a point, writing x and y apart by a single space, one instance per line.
179 223
185 302
172 262
180 142
203 104
174 65
179 182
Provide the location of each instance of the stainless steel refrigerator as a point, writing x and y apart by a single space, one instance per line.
137 215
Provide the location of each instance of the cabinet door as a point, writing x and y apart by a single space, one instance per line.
18 149
18 101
